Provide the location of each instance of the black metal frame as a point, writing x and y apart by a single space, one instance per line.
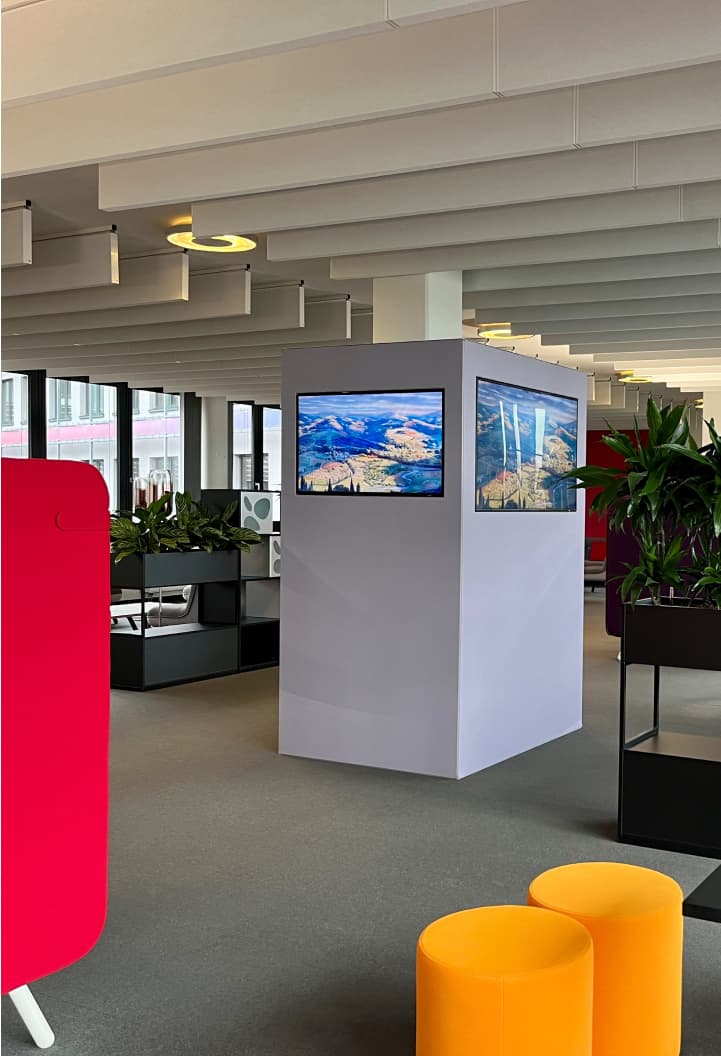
623 744
37 413
257 445
645 817
192 430
124 413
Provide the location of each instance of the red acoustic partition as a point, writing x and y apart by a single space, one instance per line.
55 715
598 454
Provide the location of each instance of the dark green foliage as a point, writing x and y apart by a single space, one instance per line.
156 529
668 495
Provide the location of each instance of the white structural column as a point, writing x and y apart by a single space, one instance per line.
215 442
711 410
418 307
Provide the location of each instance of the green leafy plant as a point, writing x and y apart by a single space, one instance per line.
667 494
701 514
155 529
708 585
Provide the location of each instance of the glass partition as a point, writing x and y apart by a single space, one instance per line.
15 432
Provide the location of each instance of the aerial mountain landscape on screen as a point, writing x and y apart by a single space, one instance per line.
371 443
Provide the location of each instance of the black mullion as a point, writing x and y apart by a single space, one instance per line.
191 410
37 414
229 445
258 438
124 414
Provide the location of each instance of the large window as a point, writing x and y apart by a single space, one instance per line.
156 435
15 437
271 447
82 427
243 446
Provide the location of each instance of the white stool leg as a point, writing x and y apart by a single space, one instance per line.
32 1016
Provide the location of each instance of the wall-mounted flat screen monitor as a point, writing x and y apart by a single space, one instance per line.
525 441
370 443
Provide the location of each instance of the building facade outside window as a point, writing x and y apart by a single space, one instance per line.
97 401
82 427
243 446
271 447
8 402
65 392
156 435
15 434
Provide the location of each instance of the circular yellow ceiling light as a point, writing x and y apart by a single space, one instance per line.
629 377
497 331
215 244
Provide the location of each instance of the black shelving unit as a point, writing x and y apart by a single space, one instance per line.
669 783
258 594
145 657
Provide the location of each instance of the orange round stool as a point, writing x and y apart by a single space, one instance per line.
504 981
635 918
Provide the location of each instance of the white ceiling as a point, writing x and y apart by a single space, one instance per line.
565 155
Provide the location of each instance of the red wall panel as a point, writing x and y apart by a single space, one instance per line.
597 454
55 714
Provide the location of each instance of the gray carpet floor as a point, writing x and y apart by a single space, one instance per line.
270 906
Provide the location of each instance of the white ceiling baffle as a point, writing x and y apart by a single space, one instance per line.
565 157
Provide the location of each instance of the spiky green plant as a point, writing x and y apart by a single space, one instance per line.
667 494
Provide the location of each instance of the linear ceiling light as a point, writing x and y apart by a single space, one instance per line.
213 244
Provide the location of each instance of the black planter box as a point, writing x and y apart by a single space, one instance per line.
171 655
671 794
669 782
222 642
672 636
163 570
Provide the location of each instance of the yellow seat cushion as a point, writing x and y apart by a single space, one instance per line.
634 916
504 981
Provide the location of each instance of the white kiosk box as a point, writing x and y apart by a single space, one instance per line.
417 632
